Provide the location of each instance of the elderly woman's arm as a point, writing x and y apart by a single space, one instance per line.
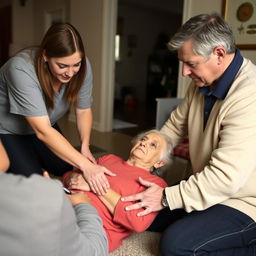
117 208
110 199
75 180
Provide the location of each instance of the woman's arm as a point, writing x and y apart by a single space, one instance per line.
84 119
93 173
75 180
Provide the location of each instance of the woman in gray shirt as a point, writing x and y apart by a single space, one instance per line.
37 87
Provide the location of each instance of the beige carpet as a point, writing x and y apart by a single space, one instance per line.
139 244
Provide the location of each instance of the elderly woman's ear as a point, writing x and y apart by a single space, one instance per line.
159 164
4 160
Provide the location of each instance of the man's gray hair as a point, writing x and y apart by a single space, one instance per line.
207 31
167 153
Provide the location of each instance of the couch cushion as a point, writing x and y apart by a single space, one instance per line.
182 150
145 243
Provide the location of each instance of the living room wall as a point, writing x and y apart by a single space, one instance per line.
89 16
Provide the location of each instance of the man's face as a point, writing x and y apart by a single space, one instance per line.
202 72
149 148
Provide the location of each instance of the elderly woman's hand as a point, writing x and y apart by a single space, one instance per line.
95 176
77 181
150 199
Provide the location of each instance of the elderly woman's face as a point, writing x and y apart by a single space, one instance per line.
149 148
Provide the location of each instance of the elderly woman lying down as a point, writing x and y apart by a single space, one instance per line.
151 150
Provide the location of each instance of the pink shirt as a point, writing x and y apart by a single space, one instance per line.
123 223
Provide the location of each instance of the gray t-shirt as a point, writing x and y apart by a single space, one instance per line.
21 95
38 219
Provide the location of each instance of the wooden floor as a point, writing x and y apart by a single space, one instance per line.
111 142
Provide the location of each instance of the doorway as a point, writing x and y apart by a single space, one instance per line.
145 69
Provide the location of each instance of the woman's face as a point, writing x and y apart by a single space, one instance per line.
63 69
149 148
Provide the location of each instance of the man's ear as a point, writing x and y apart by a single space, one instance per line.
220 52
159 164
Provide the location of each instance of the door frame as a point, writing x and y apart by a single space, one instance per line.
110 11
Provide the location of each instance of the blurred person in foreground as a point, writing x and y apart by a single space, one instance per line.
37 218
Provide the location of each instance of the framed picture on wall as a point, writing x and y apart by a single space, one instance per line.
241 16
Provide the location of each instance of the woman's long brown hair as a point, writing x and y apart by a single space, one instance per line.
61 40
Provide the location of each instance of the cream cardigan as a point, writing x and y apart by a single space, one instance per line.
223 155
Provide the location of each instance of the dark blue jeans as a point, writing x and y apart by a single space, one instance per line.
29 155
217 231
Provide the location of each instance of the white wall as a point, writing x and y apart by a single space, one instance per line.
96 21
22 23
29 21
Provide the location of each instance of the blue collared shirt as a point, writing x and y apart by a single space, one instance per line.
222 86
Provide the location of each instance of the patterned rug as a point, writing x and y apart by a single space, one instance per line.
139 244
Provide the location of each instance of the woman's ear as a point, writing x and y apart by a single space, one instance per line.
44 56
159 164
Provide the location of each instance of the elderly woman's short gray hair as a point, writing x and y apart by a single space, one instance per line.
165 155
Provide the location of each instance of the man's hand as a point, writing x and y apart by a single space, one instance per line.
149 199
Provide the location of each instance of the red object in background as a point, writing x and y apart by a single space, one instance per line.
182 150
